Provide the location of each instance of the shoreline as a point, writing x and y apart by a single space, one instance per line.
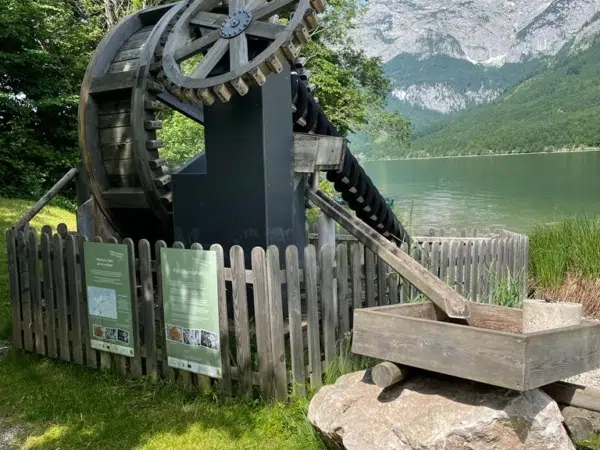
582 150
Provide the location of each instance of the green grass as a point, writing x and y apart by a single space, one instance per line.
10 211
69 407
570 246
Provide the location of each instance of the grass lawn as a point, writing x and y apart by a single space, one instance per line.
70 407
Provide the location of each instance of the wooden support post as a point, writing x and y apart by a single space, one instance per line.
453 304
23 221
313 153
387 373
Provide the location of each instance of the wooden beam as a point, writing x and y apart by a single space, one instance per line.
314 152
23 221
448 300
125 198
574 395
113 82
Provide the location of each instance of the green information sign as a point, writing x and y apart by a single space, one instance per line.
109 297
191 305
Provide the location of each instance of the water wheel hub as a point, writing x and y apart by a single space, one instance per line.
235 24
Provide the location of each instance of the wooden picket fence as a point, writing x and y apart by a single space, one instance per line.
474 262
280 327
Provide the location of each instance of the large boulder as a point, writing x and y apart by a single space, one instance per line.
435 412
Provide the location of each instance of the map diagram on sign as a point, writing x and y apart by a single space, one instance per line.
102 302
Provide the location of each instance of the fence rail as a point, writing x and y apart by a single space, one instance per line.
279 326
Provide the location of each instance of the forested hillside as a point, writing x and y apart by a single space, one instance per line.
557 108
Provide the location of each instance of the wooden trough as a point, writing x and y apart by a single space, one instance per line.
451 335
491 349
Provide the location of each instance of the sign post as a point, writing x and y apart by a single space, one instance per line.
191 306
109 297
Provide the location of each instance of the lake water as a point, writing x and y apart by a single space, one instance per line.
513 191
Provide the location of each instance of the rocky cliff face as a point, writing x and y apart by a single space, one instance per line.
484 37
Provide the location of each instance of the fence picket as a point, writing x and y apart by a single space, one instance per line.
223 320
393 282
60 290
382 271
147 304
167 370
370 277
14 282
327 311
203 382
240 317
292 271
26 322
460 254
444 261
312 307
74 291
468 256
50 307
405 287
356 276
91 355
276 322
36 294
474 290
342 288
261 311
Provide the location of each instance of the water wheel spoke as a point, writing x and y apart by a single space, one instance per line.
197 46
272 8
208 20
236 5
238 52
265 29
210 60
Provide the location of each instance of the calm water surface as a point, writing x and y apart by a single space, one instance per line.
514 192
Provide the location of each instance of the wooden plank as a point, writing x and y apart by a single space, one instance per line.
295 313
147 303
74 298
113 82
263 334
467 255
13 279
117 150
60 290
114 120
240 317
223 320
120 167
435 258
557 354
120 361
452 262
168 371
318 153
50 308
116 134
356 275
499 318
370 277
327 312
460 269
382 270
91 355
23 264
124 66
444 261
133 44
128 54
126 197
312 315
574 395
467 352
343 297
276 322
394 280
114 106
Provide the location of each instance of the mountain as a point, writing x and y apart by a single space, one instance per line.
447 56
557 108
